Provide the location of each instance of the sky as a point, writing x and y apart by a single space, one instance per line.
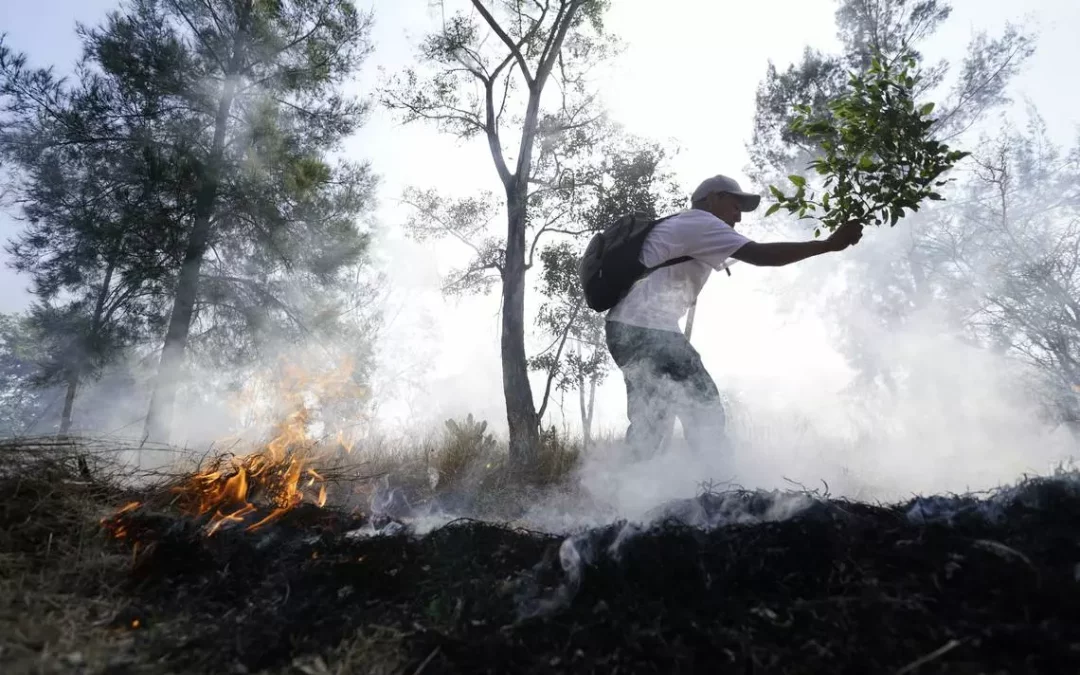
688 76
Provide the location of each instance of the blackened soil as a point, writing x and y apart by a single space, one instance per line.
979 587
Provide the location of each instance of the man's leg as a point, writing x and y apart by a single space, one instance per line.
648 407
697 400
704 420
648 397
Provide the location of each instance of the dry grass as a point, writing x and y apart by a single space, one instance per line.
761 596
62 605
379 650
62 608
46 630
57 573
464 469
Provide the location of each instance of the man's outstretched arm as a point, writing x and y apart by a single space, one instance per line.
778 254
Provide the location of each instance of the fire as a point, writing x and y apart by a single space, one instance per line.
130 506
114 525
256 489
279 477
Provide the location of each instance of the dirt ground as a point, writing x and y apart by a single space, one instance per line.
947 585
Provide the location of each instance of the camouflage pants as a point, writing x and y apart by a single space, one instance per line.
665 379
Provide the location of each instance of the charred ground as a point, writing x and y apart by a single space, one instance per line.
774 582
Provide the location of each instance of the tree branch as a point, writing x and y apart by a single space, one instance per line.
445 226
515 50
205 43
546 227
555 36
555 364
317 25
464 117
505 97
492 131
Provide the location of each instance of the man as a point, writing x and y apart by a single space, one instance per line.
664 374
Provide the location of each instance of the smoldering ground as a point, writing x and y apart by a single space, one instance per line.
773 581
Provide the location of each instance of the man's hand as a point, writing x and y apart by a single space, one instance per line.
846 235
780 253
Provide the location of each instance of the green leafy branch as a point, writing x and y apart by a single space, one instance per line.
878 156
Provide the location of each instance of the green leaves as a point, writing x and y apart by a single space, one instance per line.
877 158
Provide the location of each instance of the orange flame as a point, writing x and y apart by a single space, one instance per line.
117 527
278 477
271 476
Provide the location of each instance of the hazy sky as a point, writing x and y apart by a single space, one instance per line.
689 74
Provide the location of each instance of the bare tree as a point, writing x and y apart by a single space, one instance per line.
483 74
1021 224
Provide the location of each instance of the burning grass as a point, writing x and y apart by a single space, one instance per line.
741 581
231 489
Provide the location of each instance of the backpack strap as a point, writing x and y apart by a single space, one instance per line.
675 261
666 263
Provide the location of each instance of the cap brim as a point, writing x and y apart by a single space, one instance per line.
748 202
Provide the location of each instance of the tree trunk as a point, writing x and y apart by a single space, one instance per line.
521 416
95 329
520 408
586 407
159 418
69 402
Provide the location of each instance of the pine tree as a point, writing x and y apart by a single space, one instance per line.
89 194
234 112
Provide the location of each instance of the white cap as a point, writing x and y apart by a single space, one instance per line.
717 184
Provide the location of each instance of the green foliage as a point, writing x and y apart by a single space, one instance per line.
879 158
96 244
469 433
22 401
906 274
577 354
114 168
189 167
868 28
467 450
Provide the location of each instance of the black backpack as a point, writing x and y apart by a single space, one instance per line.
611 262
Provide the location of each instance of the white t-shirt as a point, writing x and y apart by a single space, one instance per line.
662 298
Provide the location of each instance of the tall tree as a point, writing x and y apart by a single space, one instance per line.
1017 258
475 72
89 194
249 103
897 278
